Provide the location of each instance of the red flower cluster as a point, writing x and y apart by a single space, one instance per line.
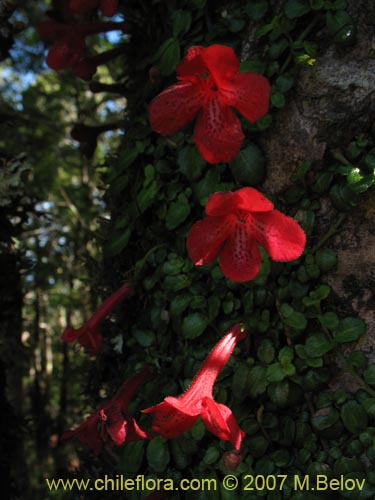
210 85
236 223
89 335
111 422
176 415
69 48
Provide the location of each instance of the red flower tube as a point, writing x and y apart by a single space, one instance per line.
235 224
210 85
70 45
176 415
89 335
111 420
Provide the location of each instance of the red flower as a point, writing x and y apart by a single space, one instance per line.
210 85
108 7
236 223
70 45
66 52
89 335
111 421
176 415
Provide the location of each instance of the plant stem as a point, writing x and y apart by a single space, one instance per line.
332 230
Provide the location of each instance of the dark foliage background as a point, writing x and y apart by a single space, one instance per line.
74 228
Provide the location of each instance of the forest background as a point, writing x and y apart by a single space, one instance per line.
78 219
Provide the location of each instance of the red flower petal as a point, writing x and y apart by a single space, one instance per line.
217 134
174 108
222 62
249 93
280 235
168 421
247 198
219 420
108 7
240 258
191 65
65 53
83 6
206 238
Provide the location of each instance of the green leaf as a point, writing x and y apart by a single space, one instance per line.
279 393
286 355
179 304
199 3
277 48
158 454
252 66
190 162
275 373
213 307
350 329
258 445
211 456
147 195
132 457
342 197
369 407
194 325
317 345
181 21
239 381
296 8
316 296
144 337
329 319
277 99
248 167
339 23
369 375
322 182
266 351
168 56
325 418
118 244
284 82
326 259
257 380
177 212
354 417
256 9
176 283
296 320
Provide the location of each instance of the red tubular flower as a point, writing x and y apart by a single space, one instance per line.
65 53
89 335
210 85
111 421
176 415
70 44
236 223
108 7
